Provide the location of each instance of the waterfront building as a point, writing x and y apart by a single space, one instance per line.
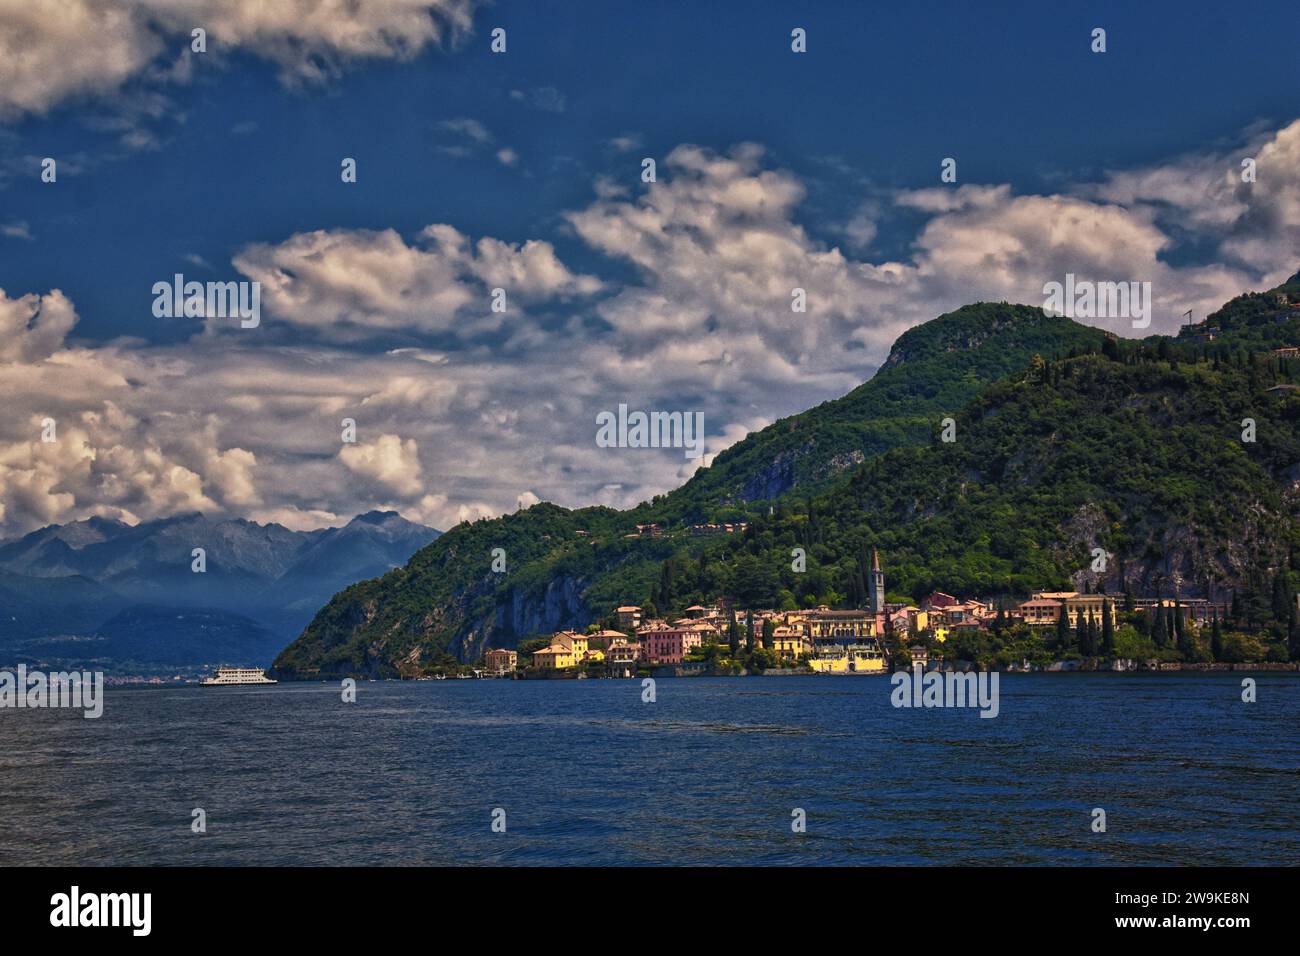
577 644
621 659
554 658
667 645
847 659
1040 611
824 625
790 642
1199 612
1091 606
500 662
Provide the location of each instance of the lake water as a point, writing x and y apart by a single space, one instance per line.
708 774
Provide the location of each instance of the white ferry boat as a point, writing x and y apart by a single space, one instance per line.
238 675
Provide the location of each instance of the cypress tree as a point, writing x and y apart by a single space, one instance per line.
1158 633
1283 606
1186 645
1216 639
1062 630
1085 635
1107 630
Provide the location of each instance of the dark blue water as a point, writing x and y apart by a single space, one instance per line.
709 774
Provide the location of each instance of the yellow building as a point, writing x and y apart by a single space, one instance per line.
567 649
577 644
790 642
855 659
1091 606
824 624
553 658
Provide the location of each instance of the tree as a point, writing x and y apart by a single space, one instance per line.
1159 633
1062 630
1216 639
1084 632
1283 605
1107 629
1186 643
733 633
749 632
769 632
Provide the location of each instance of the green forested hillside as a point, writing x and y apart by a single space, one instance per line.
932 370
1065 440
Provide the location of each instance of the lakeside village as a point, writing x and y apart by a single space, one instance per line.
1052 630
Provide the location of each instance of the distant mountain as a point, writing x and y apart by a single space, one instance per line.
1067 439
181 636
265 581
38 606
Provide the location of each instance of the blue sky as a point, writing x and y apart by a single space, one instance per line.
211 165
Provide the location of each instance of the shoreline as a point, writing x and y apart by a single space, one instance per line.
674 672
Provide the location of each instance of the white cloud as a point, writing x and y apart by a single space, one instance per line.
33 327
51 50
391 462
16 229
354 284
467 127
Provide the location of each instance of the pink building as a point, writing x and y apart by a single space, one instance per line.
668 645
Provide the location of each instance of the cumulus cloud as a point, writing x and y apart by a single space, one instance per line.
33 327
51 50
1256 223
390 461
354 284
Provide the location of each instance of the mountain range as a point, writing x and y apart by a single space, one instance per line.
1063 440
128 594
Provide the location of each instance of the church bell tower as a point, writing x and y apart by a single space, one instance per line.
876 585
